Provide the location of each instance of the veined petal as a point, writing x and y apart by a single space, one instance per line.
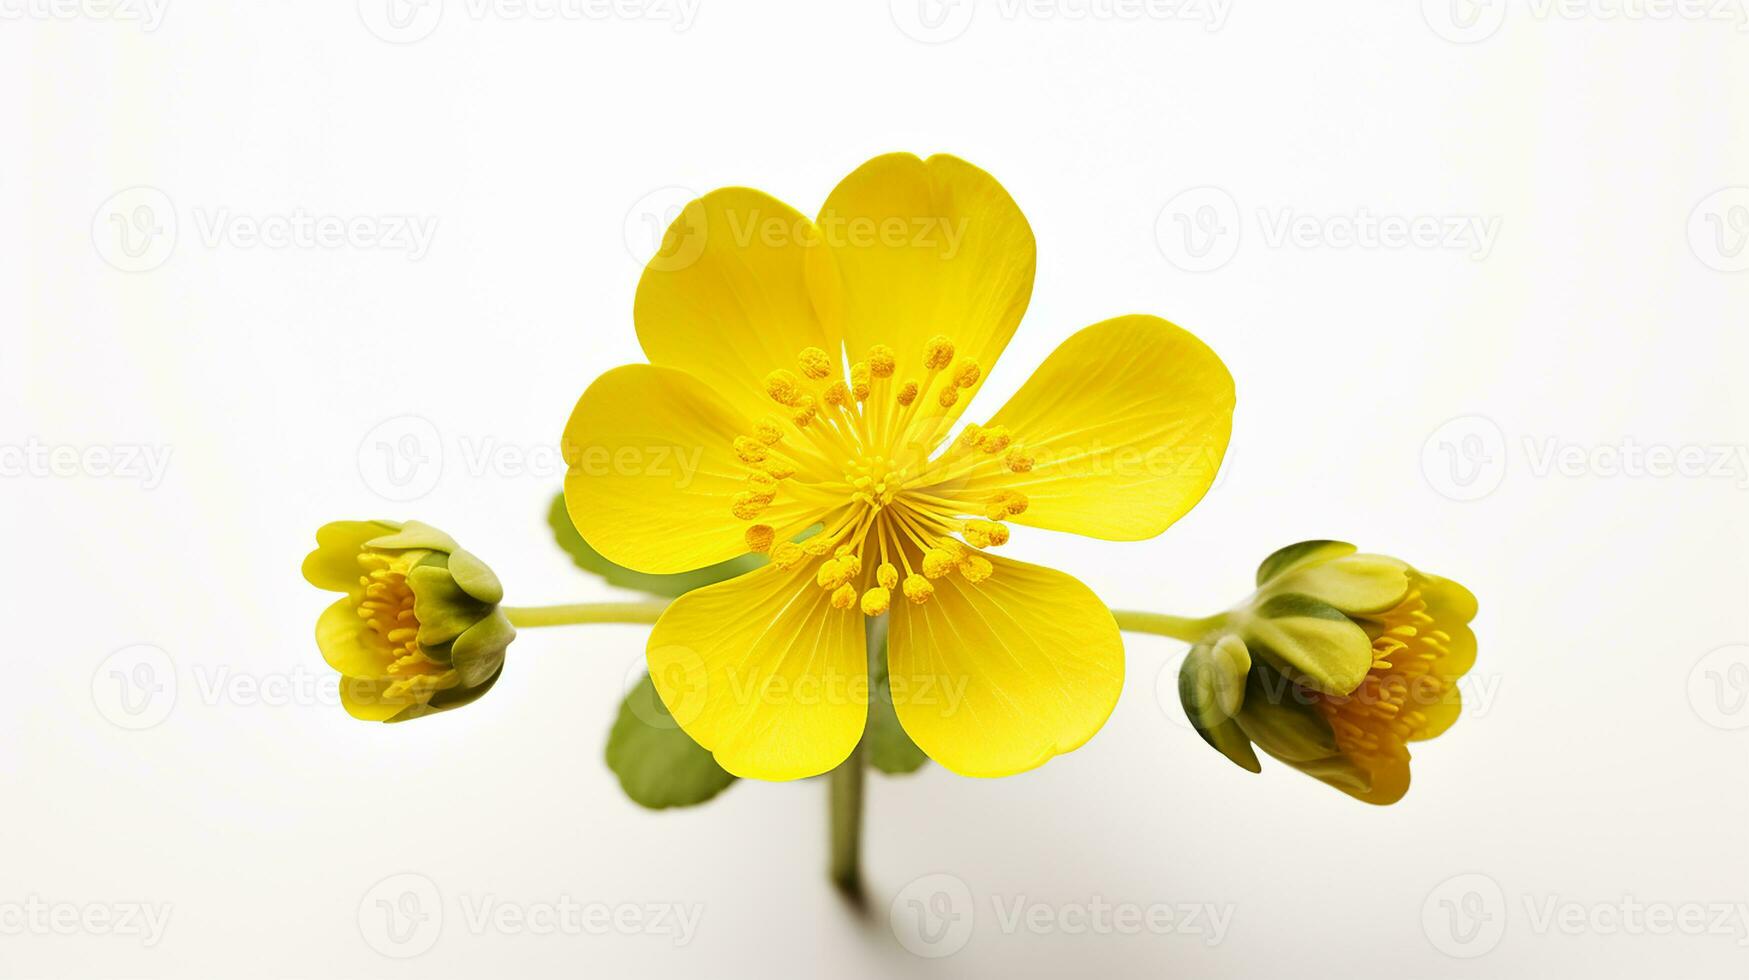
996 678
350 646
917 248
726 299
653 472
764 672
1126 422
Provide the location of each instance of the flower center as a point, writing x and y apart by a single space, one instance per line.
858 444
386 606
1387 710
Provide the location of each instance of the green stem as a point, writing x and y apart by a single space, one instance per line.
573 613
844 792
1177 627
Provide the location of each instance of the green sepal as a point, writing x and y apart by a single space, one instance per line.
444 611
475 578
1211 687
478 654
671 586
1309 640
454 697
890 748
1358 585
1282 720
1295 555
657 763
414 534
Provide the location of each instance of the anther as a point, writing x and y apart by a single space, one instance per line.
768 433
859 385
876 600
833 573
938 562
882 361
976 569
986 534
747 506
948 397
887 576
918 589
837 393
908 393
751 450
786 555
967 374
1019 461
805 411
844 597
938 353
996 439
815 364
759 537
783 387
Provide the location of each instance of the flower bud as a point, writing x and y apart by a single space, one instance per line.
1333 666
418 629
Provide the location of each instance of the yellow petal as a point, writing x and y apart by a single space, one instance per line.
996 678
349 646
334 563
726 300
917 248
363 700
653 472
764 672
1127 422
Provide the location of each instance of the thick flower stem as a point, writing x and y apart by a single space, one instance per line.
1177 627
584 612
845 788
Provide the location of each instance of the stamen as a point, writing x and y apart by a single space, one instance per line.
783 387
759 537
966 374
844 597
877 600
882 361
938 352
986 534
918 589
907 393
815 364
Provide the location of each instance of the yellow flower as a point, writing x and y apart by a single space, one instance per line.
418 630
1334 665
747 430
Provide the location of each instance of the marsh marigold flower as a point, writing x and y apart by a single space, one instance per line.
1334 665
805 376
418 629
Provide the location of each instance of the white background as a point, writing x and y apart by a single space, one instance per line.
1601 759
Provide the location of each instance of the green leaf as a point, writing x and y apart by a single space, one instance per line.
889 749
657 763
590 560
